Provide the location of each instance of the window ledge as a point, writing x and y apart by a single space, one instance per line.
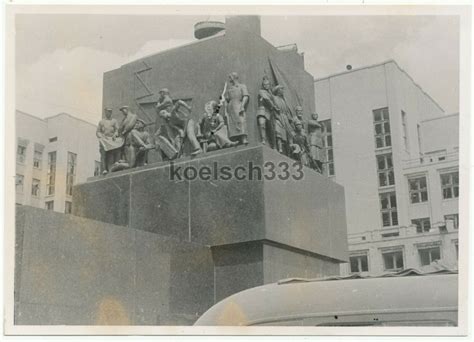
450 199
390 227
394 270
387 187
383 149
419 203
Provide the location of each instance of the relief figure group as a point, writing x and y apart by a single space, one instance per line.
223 124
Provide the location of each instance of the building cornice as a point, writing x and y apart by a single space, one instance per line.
378 65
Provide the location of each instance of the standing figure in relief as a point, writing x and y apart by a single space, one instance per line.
165 102
300 146
110 143
126 127
300 118
237 98
283 121
316 142
266 112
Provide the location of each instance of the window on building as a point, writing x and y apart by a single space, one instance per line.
20 154
359 263
388 204
328 147
423 225
418 189
454 218
53 139
19 182
450 184
67 207
35 187
97 168
51 173
71 172
456 246
428 255
382 128
405 130
385 169
49 205
393 260
37 157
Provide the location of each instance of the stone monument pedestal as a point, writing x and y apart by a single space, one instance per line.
259 229
150 250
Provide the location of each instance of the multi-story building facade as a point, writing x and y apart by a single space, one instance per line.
395 151
52 155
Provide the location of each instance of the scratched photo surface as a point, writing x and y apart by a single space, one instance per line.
233 170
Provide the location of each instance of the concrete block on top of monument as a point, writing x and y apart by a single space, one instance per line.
203 68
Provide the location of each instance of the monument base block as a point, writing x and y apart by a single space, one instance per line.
225 197
143 248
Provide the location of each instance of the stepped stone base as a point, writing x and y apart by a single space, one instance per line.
142 249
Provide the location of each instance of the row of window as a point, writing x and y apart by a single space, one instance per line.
382 128
418 187
423 225
388 200
449 187
37 156
328 146
49 205
393 259
51 176
418 192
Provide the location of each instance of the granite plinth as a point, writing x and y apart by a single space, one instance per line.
241 266
75 271
308 213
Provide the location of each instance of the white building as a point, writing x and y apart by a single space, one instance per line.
52 155
395 151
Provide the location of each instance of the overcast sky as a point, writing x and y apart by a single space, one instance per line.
61 58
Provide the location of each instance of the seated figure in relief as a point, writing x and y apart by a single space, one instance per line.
212 129
140 145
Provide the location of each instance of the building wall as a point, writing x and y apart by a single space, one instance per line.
61 133
348 99
424 144
409 243
440 133
32 130
436 207
443 231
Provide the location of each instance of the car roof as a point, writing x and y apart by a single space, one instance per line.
297 297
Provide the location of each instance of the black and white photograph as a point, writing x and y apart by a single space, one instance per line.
297 170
